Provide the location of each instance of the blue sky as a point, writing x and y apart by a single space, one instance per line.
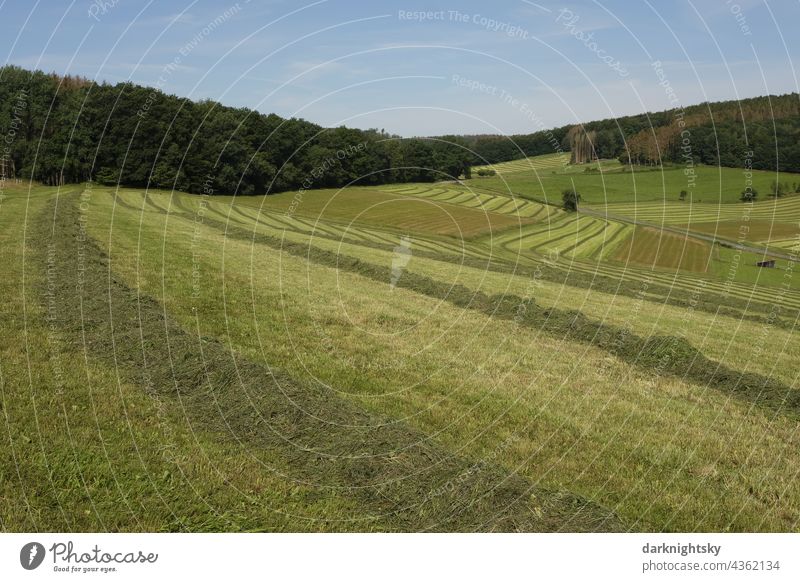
420 67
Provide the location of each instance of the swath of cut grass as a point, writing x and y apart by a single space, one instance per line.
665 250
370 206
732 299
646 454
395 473
661 354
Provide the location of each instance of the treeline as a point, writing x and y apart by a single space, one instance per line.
762 131
60 130
57 130
492 149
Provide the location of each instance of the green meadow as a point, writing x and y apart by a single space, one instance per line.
201 363
607 182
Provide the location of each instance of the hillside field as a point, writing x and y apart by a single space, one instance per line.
195 363
608 182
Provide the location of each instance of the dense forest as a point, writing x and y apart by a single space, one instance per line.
60 129
497 148
762 131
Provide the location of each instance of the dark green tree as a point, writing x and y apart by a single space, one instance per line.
748 195
570 199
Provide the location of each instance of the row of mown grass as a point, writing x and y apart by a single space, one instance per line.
721 293
662 452
87 449
398 479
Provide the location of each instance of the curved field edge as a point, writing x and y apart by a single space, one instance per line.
397 475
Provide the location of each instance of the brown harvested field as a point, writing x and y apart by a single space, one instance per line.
656 248
370 207
757 230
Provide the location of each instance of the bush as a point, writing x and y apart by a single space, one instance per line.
570 198
748 195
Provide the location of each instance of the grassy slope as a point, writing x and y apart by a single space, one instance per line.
569 419
662 452
378 208
208 482
85 450
650 195
712 185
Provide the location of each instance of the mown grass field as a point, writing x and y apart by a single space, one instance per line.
545 177
546 163
656 248
177 362
600 392
412 361
388 210
774 212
